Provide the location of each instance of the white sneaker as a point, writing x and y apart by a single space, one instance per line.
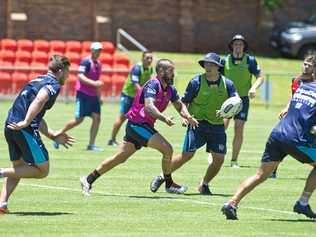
234 165
86 187
178 189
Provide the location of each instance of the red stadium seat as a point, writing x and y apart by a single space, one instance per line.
40 56
6 67
118 83
41 45
21 66
8 44
7 56
5 83
86 47
19 79
107 69
57 46
120 70
120 59
106 58
107 86
33 74
38 67
108 47
25 45
73 57
73 46
23 56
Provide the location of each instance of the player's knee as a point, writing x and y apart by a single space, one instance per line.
167 151
43 173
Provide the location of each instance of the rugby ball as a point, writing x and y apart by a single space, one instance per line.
231 107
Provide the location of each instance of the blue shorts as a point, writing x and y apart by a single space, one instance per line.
138 134
26 144
86 105
276 151
213 136
243 114
125 103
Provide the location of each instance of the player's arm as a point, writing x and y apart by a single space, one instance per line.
255 70
184 113
135 74
34 108
153 111
84 79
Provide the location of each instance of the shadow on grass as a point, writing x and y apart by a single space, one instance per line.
39 213
214 194
291 220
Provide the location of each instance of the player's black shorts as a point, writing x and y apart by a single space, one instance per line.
139 134
26 144
86 105
276 151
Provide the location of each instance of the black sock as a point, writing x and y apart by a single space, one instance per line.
168 180
93 177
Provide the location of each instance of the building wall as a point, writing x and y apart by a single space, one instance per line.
177 25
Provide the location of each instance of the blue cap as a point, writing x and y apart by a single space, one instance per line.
211 58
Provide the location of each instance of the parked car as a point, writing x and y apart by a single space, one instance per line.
296 39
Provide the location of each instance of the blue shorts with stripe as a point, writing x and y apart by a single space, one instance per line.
26 144
213 136
243 114
86 105
125 103
138 134
276 150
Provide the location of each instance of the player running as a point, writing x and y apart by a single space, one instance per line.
28 154
294 135
148 106
204 96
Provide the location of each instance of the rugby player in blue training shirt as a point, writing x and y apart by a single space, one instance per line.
27 152
294 135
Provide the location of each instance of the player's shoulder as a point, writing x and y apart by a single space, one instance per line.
227 80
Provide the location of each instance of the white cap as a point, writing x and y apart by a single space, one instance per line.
96 46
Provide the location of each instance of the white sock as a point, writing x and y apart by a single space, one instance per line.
4 205
305 198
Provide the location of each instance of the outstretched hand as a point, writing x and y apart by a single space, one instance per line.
169 121
64 139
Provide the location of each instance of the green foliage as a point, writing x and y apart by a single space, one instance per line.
272 5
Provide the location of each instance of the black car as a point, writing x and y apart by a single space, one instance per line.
296 39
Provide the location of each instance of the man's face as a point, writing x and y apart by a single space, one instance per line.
147 59
307 68
168 74
238 46
96 53
63 75
210 67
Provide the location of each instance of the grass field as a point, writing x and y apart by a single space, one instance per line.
122 204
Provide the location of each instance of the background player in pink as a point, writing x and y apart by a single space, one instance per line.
148 106
88 95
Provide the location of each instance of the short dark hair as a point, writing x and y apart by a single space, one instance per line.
311 58
58 62
146 52
164 64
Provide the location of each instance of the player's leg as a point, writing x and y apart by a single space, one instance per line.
212 170
159 143
226 123
96 119
125 104
125 150
237 141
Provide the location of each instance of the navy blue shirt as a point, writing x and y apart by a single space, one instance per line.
151 89
84 66
193 88
22 103
135 73
253 66
295 127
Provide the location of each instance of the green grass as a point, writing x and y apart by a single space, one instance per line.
122 204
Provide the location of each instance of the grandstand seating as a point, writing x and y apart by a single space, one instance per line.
22 60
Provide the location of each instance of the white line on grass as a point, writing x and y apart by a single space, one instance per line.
175 200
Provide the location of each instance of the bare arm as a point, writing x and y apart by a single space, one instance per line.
88 81
184 113
33 110
152 110
256 85
46 130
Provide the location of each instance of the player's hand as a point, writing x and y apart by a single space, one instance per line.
98 84
184 122
219 114
18 126
169 121
192 122
252 93
282 113
64 139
